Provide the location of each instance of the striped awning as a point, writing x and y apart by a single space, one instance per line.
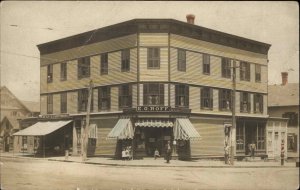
42 128
122 130
184 130
153 123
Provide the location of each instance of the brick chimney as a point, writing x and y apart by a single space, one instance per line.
284 76
190 18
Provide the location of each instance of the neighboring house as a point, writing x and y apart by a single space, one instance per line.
283 102
12 111
154 81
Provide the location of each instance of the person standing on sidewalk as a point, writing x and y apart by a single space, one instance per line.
253 148
227 150
168 152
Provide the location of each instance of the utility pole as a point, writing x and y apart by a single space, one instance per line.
233 113
87 123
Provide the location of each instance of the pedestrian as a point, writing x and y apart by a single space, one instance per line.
127 153
253 148
123 154
227 150
156 154
168 152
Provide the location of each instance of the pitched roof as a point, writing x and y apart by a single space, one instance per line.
13 121
32 106
283 95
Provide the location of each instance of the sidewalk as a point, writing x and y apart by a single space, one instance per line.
150 162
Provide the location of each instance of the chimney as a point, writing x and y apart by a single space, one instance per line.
190 18
284 76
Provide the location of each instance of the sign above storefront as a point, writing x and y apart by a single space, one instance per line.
61 116
157 109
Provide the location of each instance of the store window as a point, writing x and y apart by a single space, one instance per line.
125 96
83 95
63 102
244 71
182 95
293 118
49 73
206 64
49 104
260 137
258 103
104 98
125 65
226 68
240 137
206 98
257 73
83 67
224 99
63 71
292 142
153 94
153 58
245 104
181 60
104 64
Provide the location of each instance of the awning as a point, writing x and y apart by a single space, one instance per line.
122 130
153 123
42 128
184 130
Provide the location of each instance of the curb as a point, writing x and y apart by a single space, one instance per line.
136 165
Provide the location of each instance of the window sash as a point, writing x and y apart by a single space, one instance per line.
63 71
257 73
153 58
84 67
182 95
258 103
49 73
83 95
207 98
245 102
226 68
125 65
104 64
63 103
104 98
206 64
181 61
49 103
125 96
225 99
153 94
245 71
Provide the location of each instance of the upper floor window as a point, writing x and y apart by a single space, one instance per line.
225 99
49 104
245 71
226 68
104 64
153 58
125 56
63 102
206 64
245 105
153 94
181 95
84 67
49 73
293 118
258 103
83 96
104 98
206 98
257 73
125 96
181 62
63 71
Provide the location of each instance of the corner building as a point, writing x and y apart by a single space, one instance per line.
156 80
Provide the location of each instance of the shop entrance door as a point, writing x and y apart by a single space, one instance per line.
251 133
156 138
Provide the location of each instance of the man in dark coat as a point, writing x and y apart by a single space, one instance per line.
168 152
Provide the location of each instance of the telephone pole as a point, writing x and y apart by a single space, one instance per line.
233 113
87 123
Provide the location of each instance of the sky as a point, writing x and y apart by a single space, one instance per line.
27 24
